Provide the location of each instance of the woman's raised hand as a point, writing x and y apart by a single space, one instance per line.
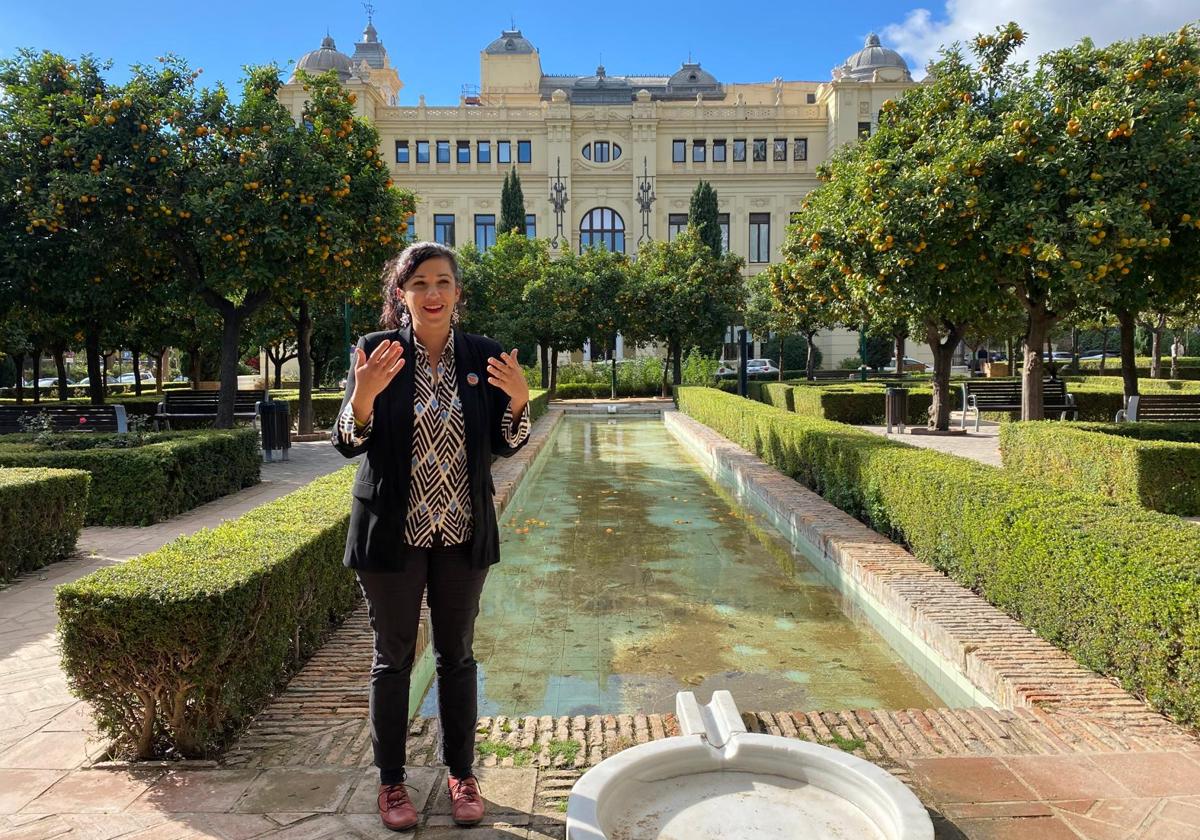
372 375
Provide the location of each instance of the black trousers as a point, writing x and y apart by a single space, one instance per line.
394 603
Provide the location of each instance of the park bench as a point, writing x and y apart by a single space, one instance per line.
839 375
81 418
202 405
981 395
1161 408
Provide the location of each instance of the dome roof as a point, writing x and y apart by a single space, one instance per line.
862 65
690 75
510 42
601 80
326 58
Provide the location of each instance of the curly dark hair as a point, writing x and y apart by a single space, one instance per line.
404 265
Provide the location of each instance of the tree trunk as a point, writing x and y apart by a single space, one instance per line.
544 350
61 364
95 364
1103 348
553 369
677 363
232 319
1075 349
194 373
1174 357
781 357
898 349
1036 338
1129 374
137 370
810 362
160 369
666 368
19 361
943 359
304 329
1156 334
37 375
1010 352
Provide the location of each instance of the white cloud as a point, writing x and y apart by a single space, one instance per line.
1049 24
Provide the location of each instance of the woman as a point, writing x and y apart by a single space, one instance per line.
429 405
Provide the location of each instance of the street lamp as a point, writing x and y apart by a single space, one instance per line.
645 198
558 200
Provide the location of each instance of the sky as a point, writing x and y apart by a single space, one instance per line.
435 46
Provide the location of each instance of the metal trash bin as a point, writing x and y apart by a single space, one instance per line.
275 425
895 402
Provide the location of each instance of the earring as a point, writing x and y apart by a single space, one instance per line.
455 316
405 317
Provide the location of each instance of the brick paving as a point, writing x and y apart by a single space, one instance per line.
1068 755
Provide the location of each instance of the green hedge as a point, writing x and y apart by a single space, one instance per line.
603 390
1116 586
858 405
41 513
139 485
778 394
176 649
1161 475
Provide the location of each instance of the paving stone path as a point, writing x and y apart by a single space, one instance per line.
302 769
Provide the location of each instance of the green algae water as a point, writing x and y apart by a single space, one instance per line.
627 575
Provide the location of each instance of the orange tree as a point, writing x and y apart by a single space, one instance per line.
780 299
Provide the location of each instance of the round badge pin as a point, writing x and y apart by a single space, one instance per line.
472 379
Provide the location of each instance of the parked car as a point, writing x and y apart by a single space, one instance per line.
87 380
725 368
1096 355
46 382
127 378
1059 356
910 364
760 366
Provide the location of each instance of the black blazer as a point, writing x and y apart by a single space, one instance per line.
379 508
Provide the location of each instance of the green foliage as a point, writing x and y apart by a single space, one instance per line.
512 205
41 514
880 350
1162 475
699 369
857 404
176 649
170 473
1113 585
704 216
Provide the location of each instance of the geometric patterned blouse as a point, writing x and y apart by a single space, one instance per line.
439 496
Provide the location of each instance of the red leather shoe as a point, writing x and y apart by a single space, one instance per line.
396 809
466 803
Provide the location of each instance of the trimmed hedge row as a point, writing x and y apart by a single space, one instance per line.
41 513
176 649
858 405
139 485
603 390
1161 475
1116 586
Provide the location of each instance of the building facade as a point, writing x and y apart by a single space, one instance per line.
588 147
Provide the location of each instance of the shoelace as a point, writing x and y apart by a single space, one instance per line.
466 789
395 795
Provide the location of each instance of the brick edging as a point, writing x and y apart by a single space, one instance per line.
997 654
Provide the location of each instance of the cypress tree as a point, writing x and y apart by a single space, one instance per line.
512 204
702 215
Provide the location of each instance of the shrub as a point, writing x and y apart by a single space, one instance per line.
176 649
1114 585
41 512
172 472
857 404
1162 475
603 390
778 394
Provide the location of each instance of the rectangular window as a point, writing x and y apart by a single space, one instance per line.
676 224
485 230
524 151
800 148
739 151
443 151
760 148
699 151
530 226
422 151
410 232
864 130
678 151
600 151
401 151
464 151
504 151
718 151
781 149
443 228
810 98
723 223
760 237
483 151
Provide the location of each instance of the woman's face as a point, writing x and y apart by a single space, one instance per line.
431 293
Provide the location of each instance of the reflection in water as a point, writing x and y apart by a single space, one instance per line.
626 575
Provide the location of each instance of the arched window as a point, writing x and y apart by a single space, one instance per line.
602 226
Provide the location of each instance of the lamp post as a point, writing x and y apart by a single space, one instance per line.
558 200
645 199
